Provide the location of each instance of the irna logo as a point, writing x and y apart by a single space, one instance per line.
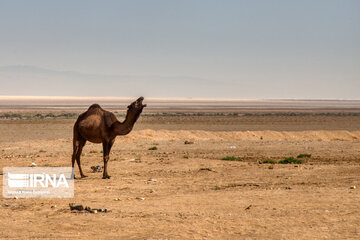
37 180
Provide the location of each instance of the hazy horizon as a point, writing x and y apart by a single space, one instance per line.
58 102
181 49
20 97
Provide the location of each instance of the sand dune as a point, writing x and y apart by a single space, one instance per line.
166 135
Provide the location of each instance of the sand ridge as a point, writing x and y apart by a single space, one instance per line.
200 135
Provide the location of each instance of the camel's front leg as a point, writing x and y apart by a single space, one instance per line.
106 152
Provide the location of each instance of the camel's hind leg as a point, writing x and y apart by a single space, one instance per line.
77 149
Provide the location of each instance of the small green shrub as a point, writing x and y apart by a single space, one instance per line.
290 160
42 151
269 161
153 148
231 158
304 155
186 156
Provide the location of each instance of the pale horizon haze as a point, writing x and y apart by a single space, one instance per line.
181 49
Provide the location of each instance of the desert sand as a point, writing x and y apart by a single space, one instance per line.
185 191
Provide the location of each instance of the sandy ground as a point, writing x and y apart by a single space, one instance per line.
183 191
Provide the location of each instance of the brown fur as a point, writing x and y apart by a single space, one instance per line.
97 125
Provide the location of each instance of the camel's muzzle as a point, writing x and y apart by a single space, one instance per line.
139 102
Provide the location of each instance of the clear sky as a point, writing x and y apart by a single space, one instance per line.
184 48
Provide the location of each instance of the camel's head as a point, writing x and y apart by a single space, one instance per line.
137 105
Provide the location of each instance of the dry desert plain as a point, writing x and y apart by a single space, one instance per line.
185 191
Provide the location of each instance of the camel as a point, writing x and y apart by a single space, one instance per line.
97 125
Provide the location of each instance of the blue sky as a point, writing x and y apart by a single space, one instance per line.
218 49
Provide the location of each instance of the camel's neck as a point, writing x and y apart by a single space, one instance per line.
125 127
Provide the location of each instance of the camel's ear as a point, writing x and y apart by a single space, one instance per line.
108 119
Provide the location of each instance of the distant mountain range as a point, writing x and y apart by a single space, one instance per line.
37 81
19 80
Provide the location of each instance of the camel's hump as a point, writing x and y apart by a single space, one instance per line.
94 106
